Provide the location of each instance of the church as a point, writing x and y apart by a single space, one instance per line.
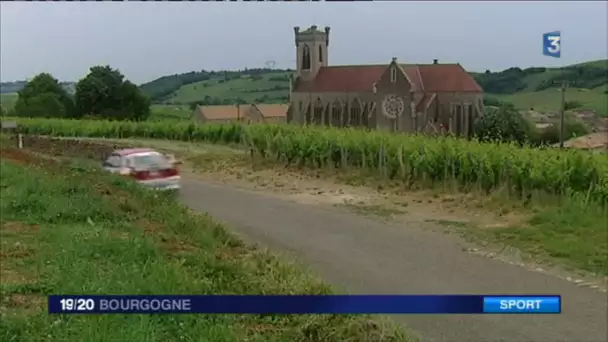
433 98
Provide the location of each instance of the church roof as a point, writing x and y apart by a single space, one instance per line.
272 110
226 112
360 78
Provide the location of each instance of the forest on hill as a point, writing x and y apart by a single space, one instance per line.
587 76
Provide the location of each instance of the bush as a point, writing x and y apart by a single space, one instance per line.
550 135
504 124
572 105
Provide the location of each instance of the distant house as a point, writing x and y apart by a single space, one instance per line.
271 113
220 114
257 113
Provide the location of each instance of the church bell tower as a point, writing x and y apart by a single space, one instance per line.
311 51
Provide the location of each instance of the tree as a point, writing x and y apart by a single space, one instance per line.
43 105
503 123
193 105
134 101
43 96
104 93
572 105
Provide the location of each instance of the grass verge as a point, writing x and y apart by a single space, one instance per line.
572 235
67 228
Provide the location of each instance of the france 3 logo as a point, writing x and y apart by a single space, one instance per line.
552 44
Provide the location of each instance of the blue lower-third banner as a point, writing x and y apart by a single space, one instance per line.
306 304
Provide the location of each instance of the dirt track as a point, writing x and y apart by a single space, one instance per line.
363 255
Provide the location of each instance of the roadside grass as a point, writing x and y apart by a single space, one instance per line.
571 235
370 209
566 231
574 233
68 228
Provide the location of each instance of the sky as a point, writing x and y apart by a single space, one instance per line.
147 40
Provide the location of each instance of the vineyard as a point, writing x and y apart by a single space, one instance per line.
520 170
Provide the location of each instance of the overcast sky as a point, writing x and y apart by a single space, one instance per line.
146 40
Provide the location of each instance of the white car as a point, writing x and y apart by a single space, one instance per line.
148 167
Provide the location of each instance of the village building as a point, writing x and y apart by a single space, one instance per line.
255 113
432 98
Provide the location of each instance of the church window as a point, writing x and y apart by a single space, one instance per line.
458 117
320 53
365 114
306 58
318 112
307 115
336 114
393 75
470 121
355 114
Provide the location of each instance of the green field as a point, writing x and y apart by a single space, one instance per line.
549 100
67 228
250 91
159 112
8 100
245 88
538 88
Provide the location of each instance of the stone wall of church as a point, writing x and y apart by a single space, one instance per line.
458 111
402 123
394 83
335 109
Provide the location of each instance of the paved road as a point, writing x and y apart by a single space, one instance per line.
362 255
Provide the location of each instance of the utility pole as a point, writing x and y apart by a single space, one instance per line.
562 114
238 110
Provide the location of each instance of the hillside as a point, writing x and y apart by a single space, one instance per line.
528 88
532 88
538 88
221 87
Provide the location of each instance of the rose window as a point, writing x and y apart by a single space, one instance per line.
392 106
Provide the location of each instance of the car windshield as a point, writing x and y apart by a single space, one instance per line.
150 161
